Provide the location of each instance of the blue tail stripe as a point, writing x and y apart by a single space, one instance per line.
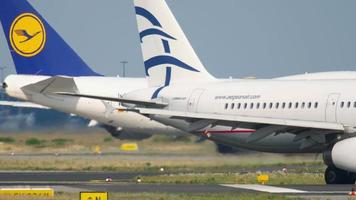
56 58
168 76
167 83
149 16
169 60
156 93
153 31
167 48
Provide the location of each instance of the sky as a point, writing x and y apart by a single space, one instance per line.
233 38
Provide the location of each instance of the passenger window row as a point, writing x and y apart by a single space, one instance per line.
344 104
284 105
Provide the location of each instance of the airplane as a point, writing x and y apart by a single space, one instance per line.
310 113
45 62
176 94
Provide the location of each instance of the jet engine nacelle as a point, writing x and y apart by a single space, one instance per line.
342 155
121 134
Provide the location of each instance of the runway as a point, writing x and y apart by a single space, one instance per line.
124 182
297 190
70 176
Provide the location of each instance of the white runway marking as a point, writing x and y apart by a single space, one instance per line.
266 188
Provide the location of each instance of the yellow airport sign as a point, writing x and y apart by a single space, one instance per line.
129 147
263 178
94 196
43 192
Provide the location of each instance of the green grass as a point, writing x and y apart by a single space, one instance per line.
276 178
108 139
205 196
7 140
35 142
61 141
139 163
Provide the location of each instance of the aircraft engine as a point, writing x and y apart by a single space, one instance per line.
120 133
342 155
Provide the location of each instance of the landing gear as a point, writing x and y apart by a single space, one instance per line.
334 175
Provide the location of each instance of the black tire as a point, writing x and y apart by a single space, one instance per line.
334 175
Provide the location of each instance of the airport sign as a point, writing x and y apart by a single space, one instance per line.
94 196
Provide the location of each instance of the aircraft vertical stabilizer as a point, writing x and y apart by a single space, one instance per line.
168 56
36 48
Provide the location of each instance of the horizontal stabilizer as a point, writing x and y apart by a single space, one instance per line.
52 85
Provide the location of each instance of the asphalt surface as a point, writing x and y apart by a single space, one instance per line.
300 190
69 176
124 182
130 188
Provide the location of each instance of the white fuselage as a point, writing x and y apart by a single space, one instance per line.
313 100
308 97
306 100
102 111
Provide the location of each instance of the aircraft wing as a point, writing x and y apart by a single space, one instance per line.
154 108
121 100
311 132
244 119
20 104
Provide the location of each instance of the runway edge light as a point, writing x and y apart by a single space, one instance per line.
94 196
43 192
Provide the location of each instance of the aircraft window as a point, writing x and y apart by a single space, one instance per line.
309 105
342 104
226 106
290 105
284 105
303 105
251 106
316 105
238 105
264 105
245 105
232 105
355 104
349 104
296 105
270 105
258 106
277 105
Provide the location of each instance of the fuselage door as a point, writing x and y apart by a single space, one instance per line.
194 100
331 108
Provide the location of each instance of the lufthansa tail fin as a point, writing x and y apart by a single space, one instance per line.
35 46
168 56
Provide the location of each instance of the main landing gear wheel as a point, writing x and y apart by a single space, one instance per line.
334 175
